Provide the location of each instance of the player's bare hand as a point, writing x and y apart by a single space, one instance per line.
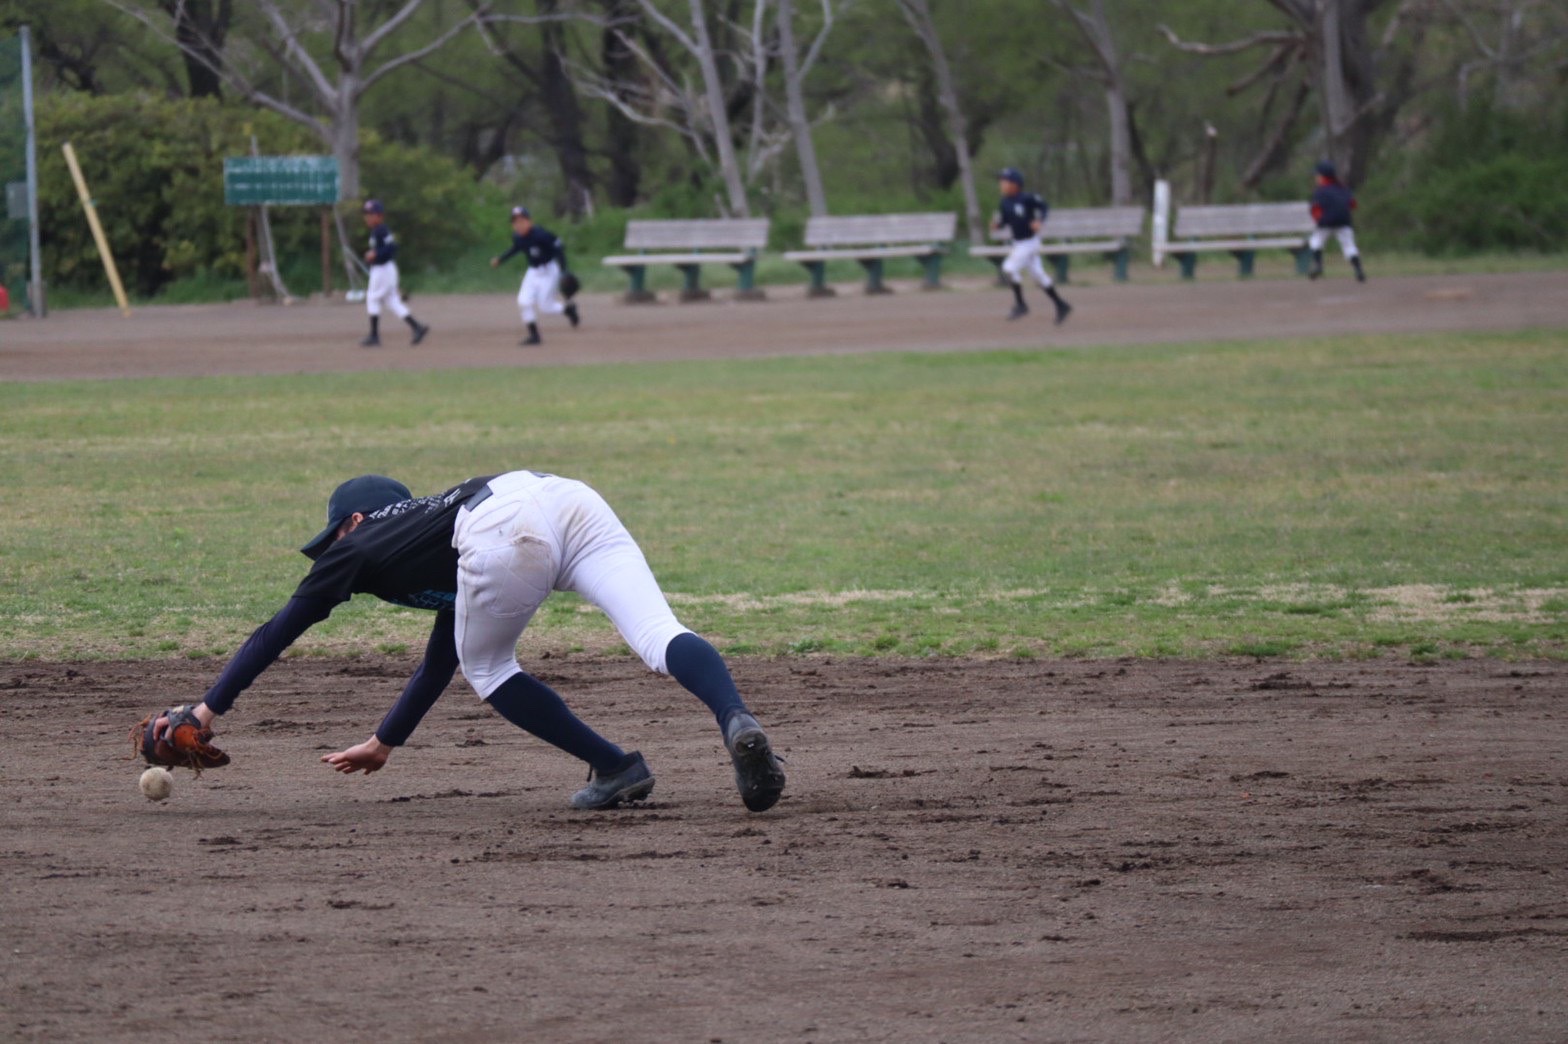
370 255
362 757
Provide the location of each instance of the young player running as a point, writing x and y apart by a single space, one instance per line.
541 289
383 289
1023 215
1333 206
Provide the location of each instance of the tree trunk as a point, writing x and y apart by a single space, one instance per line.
718 113
565 113
1345 84
1121 144
344 141
918 14
200 27
932 126
795 103
622 133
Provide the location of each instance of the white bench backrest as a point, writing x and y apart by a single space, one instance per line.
880 229
698 234
1246 219
1087 223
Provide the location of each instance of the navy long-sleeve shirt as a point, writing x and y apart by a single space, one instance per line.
539 245
384 243
402 554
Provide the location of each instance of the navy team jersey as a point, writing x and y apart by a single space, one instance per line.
1331 205
1018 214
384 243
540 246
402 554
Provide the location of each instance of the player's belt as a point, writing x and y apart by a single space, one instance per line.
484 493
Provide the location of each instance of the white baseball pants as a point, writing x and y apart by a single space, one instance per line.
1346 236
383 289
540 292
1025 256
541 533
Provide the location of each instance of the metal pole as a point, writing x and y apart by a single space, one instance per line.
35 255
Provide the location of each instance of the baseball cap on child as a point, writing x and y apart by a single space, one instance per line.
357 496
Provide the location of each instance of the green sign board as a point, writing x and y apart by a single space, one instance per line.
280 181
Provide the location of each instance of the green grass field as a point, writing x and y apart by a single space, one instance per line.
1337 498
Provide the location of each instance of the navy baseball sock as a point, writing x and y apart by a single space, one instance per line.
413 324
1050 291
699 667
375 326
1018 293
533 706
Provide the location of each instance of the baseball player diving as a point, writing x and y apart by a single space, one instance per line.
547 280
1332 208
483 556
383 289
1023 215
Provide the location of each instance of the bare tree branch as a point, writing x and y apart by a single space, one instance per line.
1258 39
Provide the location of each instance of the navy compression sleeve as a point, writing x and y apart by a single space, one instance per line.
427 684
263 647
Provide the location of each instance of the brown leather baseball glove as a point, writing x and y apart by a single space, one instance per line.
184 742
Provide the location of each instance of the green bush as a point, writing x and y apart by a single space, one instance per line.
1484 181
154 166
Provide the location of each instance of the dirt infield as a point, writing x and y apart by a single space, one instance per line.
483 331
968 851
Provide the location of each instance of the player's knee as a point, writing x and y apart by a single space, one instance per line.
485 676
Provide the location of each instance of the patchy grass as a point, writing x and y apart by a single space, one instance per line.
1348 497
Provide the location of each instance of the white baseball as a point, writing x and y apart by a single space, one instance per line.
157 783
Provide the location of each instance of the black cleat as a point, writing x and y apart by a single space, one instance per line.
1063 310
371 342
420 330
571 314
758 776
531 339
633 782
1019 311
1316 273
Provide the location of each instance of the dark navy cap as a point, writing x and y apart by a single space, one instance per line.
1327 169
360 495
518 212
1012 174
373 206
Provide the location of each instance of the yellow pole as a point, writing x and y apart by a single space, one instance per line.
93 223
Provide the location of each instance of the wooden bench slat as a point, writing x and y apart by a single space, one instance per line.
1247 219
708 233
1187 246
627 260
1103 246
1083 222
924 250
880 229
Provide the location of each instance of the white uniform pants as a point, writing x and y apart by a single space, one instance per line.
1346 236
383 289
539 292
1025 256
536 534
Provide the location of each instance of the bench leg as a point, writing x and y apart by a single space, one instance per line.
932 263
746 289
819 279
874 284
691 288
1189 265
638 292
1244 260
1303 257
1120 259
1061 262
